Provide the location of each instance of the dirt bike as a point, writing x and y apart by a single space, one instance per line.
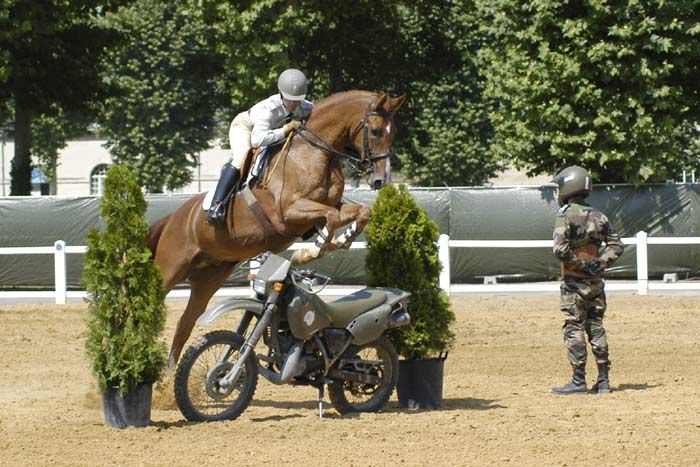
307 341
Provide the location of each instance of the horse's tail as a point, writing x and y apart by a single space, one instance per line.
154 233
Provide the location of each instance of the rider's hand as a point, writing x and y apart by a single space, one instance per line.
291 126
594 266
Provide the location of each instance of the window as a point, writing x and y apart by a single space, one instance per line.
97 179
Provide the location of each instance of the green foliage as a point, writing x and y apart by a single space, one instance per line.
445 130
49 53
401 239
50 133
609 86
422 48
159 115
126 312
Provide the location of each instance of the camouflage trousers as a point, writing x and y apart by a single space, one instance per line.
583 305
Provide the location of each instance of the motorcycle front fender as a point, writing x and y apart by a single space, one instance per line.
229 305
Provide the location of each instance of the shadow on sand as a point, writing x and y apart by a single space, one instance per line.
634 387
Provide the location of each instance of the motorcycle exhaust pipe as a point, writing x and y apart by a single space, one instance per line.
290 369
399 318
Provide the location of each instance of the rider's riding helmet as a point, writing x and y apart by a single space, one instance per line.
292 84
573 181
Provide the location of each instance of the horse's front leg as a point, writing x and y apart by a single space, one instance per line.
360 215
304 211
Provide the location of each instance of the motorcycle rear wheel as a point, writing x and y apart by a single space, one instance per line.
383 362
197 392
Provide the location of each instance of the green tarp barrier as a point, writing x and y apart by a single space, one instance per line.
521 213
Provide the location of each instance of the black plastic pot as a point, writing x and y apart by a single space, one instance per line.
133 409
420 383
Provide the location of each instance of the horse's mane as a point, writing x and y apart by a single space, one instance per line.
341 97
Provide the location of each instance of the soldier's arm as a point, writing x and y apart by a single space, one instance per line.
613 244
562 248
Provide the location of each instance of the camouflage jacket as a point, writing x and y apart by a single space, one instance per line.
579 227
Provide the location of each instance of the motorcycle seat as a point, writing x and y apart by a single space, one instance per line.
347 308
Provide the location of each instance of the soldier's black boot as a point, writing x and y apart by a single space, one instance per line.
577 384
602 386
229 178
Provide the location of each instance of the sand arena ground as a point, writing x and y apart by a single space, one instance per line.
497 408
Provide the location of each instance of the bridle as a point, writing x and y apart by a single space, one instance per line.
368 158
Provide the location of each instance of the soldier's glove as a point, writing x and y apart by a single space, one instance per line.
291 126
594 266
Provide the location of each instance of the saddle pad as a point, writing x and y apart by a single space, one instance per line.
206 204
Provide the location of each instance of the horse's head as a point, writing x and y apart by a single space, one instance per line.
374 136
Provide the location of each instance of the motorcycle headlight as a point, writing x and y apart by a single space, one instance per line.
259 286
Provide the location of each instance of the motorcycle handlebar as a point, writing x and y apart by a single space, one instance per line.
311 274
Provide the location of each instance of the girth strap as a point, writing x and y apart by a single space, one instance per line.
259 212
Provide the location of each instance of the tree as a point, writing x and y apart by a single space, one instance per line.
163 96
447 134
45 49
609 86
422 48
126 299
403 253
50 133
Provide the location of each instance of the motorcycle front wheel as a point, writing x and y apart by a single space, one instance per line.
198 392
377 359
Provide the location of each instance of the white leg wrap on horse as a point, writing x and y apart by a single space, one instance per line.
347 237
322 237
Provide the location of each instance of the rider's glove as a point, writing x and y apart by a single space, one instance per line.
291 126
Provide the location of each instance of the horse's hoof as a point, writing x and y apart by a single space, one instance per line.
305 255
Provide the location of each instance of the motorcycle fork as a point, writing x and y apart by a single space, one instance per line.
231 378
241 331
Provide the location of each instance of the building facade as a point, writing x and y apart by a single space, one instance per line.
82 165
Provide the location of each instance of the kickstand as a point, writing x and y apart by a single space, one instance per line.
320 401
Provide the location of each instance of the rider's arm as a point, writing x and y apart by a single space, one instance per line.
263 134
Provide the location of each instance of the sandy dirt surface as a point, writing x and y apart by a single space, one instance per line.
497 406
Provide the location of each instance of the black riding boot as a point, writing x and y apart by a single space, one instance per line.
229 178
577 384
602 386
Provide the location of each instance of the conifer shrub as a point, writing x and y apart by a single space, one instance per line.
126 300
403 253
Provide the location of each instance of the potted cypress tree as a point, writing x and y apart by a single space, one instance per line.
126 304
403 253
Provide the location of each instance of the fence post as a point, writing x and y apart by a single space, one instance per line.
444 256
59 262
642 262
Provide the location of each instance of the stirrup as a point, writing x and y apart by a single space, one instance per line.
216 215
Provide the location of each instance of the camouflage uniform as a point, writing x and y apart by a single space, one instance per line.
578 234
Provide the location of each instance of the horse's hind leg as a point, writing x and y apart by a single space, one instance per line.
204 283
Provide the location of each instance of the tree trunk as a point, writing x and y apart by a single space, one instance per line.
21 170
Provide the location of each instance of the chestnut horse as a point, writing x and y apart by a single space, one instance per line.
301 191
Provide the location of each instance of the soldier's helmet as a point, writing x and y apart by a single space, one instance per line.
573 181
292 84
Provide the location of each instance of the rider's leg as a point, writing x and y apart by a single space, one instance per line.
239 139
230 176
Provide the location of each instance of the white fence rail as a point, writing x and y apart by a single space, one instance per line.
641 286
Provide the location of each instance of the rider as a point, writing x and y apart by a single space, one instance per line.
267 122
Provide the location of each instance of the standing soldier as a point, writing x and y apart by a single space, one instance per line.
579 232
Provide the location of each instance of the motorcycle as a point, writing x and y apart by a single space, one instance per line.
307 341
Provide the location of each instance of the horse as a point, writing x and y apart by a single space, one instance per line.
301 191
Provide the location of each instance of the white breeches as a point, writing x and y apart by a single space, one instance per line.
239 138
